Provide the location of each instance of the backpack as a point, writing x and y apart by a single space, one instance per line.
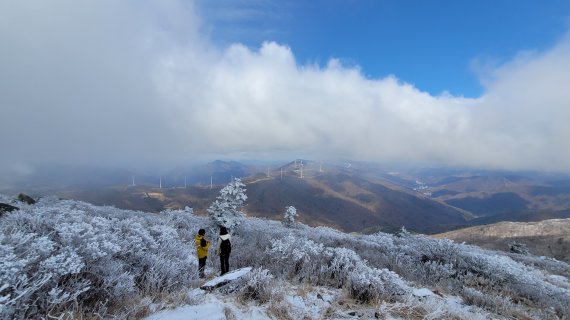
226 247
203 243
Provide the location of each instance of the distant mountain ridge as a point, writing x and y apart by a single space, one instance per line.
348 195
339 198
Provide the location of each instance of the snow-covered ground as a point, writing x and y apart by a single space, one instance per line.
211 306
307 302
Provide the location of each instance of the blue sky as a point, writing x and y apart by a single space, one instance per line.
166 82
435 45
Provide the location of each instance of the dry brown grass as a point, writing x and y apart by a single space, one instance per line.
279 310
229 314
406 311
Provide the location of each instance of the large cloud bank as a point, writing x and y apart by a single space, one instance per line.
135 82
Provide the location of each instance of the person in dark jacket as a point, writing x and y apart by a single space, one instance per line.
202 246
224 250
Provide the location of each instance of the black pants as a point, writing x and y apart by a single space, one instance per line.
225 262
202 266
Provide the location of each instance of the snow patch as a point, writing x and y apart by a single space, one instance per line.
202 311
212 308
423 292
310 302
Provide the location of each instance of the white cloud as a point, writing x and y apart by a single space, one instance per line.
106 82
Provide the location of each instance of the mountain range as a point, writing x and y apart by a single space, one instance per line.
348 195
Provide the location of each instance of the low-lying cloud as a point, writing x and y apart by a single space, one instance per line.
121 82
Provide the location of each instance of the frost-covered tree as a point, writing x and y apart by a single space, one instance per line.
403 232
225 211
289 217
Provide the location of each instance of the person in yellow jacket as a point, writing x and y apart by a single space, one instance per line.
202 246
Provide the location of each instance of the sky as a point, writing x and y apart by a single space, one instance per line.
478 84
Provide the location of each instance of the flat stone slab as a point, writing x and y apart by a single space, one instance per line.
225 279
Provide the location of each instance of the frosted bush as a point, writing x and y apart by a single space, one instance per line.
65 262
342 263
184 221
297 257
60 253
498 273
495 303
366 285
10 264
254 237
363 282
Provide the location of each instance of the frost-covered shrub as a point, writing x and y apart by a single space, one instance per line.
422 259
550 265
251 239
442 251
59 253
183 221
31 265
342 263
498 304
494 274
299 258
304 259
365 287
433 273
370 284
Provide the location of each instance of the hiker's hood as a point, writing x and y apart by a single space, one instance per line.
225 236
199 237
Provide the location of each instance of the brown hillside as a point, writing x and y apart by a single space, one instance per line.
349 203
547 238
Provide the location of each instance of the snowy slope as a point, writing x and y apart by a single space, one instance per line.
69 258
